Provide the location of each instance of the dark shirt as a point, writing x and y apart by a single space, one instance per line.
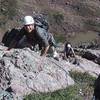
68 50
37 36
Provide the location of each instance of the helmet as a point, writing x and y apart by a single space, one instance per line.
28 20
68 45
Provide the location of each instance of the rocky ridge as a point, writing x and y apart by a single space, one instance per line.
23 71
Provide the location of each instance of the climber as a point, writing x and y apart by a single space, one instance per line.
69 54
31 35
68 51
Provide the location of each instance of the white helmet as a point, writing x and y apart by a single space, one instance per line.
28 20
68 45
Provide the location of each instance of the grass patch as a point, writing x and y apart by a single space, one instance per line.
79 38
82 90
69 93
55 17
60 38
8 8
85 82
82 77
83 37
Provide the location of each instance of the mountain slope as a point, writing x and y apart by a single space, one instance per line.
64 16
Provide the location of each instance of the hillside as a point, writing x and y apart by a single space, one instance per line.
24 71
65 17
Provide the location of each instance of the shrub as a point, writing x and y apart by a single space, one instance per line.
8 8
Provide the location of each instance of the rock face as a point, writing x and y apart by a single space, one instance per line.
93 55
23 71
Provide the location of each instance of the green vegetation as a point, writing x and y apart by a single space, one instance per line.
55 17
59 38
82 90
85 82
58 17
82 77
8 10
82 37
69 93
79 38
87 8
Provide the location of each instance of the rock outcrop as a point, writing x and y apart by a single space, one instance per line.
23 71
93 55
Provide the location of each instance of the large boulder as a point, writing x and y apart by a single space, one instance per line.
23 71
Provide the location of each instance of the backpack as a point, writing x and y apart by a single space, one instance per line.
9 36
41 21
